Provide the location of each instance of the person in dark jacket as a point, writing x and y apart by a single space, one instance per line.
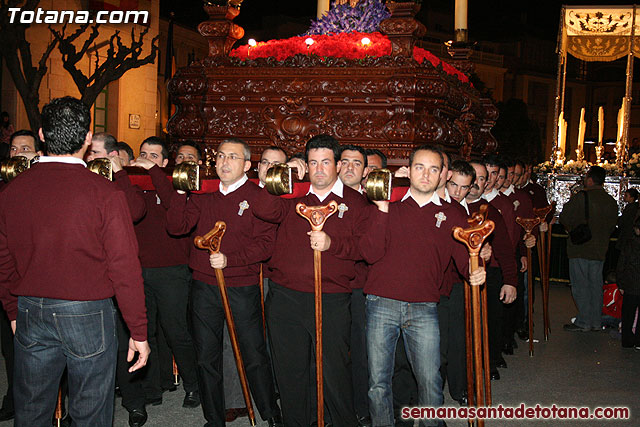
627 274
629 215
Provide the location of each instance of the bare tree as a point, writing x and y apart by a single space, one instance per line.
16 51
119 58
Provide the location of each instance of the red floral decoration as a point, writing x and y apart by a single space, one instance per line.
341 45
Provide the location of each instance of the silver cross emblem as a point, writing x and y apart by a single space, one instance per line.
342 208
440 217
243 207
516 203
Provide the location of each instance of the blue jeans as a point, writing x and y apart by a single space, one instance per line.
586 288
418 322
52 334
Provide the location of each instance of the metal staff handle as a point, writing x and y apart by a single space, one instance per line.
473 237
529 224
543 261
317 216
211 241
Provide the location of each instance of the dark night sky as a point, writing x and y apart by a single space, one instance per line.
488 19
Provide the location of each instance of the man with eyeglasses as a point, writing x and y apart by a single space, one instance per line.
271 156
247 242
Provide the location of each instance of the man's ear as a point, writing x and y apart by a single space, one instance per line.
247 165
165 162
88 138
40 134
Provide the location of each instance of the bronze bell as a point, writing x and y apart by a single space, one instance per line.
378 186
102 167
186 176
279 180
14 166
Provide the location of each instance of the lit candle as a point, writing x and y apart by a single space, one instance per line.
560 120
620 122
581 130
460 15
600 125
323 7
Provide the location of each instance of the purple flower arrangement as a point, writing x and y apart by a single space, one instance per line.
364 17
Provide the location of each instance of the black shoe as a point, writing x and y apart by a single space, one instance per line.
364 421
507 349
7 414
523 333
501 363
463 401
153 401
170 388
191 399
137 417
495 374
275 421
572 327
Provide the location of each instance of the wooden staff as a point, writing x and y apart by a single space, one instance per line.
261 286
542 213
176 374
58 412
317 216
469 345
529 224
473 237
211 241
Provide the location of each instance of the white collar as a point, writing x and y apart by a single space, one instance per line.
434 198
509 191
337 189
490 195
233 187
62 159
464 204
261 184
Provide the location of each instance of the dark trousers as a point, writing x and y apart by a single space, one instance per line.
6 340
359 364
208 320
291 319
630 303
52 334
453 363
166 292
495 315
130 383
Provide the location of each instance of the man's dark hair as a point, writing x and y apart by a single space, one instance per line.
376 152
463 168
299 155
154 140
192 143
37 144
633 193
124 146
597 175
110 143
425 147
276 148
492 160
359 149
65 124
323 141
508 162
521 163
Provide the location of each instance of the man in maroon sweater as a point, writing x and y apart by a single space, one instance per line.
502 277
290 304
66 247
247 242
167 278
403 290
353 170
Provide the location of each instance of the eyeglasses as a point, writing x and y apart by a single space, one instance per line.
220 157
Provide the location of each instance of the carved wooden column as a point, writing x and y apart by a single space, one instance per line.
402 28
220 32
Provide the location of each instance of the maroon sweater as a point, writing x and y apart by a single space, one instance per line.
410 254
523 208
502 254
66 233
132 193
537 193
505 208
157 247
292 261
247 240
